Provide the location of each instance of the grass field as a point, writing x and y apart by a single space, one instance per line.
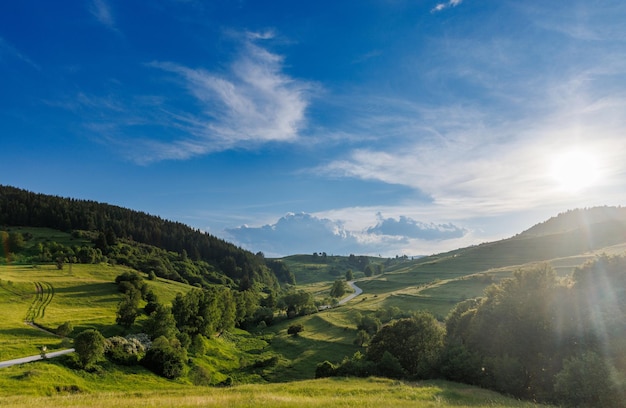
84 295
47 384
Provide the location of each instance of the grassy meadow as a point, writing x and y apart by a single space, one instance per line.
47 384
85 295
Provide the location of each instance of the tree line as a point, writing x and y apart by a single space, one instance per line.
23 208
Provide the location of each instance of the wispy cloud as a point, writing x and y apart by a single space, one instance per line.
250 103
7 49
253 102
442 6
101 10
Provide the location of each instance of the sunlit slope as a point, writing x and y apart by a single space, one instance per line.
84 295
436 283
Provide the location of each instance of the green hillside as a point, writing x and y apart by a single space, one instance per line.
231 333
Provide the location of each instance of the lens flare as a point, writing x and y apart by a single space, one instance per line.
575 171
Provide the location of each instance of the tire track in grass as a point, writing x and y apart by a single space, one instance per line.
44 293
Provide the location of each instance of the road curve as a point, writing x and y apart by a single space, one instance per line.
23 360
357 292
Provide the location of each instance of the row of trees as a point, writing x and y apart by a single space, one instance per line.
534 336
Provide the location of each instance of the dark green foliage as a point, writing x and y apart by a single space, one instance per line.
160 323
282 272
389 366
373 269
532 335
338 289
295 329
362 338
124 351
370 324
15 241
325 369
150 308
588 381
115 226
65 329
199 376
265 315
349 275
128 309
128 282
298 303
89 346
166 358
198 345
416 342
212 310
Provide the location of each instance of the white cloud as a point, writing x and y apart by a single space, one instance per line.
407 227
9 50
308 233
442 6
101 10
253 103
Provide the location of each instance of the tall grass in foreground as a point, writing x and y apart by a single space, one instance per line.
337 392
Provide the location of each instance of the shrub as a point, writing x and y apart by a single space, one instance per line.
166 358
416 342
325 369
65 329
124 351
587 381
200 376
89 346
295 329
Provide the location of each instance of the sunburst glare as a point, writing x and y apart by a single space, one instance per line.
575 170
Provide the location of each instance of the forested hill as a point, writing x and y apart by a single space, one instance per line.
19 207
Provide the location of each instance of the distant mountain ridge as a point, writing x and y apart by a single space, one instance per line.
577 218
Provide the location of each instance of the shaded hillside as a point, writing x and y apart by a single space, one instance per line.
27 209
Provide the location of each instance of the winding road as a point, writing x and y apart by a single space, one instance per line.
357 292
38 357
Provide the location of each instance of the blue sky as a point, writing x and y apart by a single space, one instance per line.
384 127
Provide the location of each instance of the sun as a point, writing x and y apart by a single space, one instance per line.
575 170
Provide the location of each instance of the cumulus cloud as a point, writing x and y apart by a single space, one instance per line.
307 233
295 233
410 228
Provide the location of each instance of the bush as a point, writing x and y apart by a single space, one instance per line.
416 342
200 376
295 329
65 329
587 381
325 369
166 358
89 346
125 351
